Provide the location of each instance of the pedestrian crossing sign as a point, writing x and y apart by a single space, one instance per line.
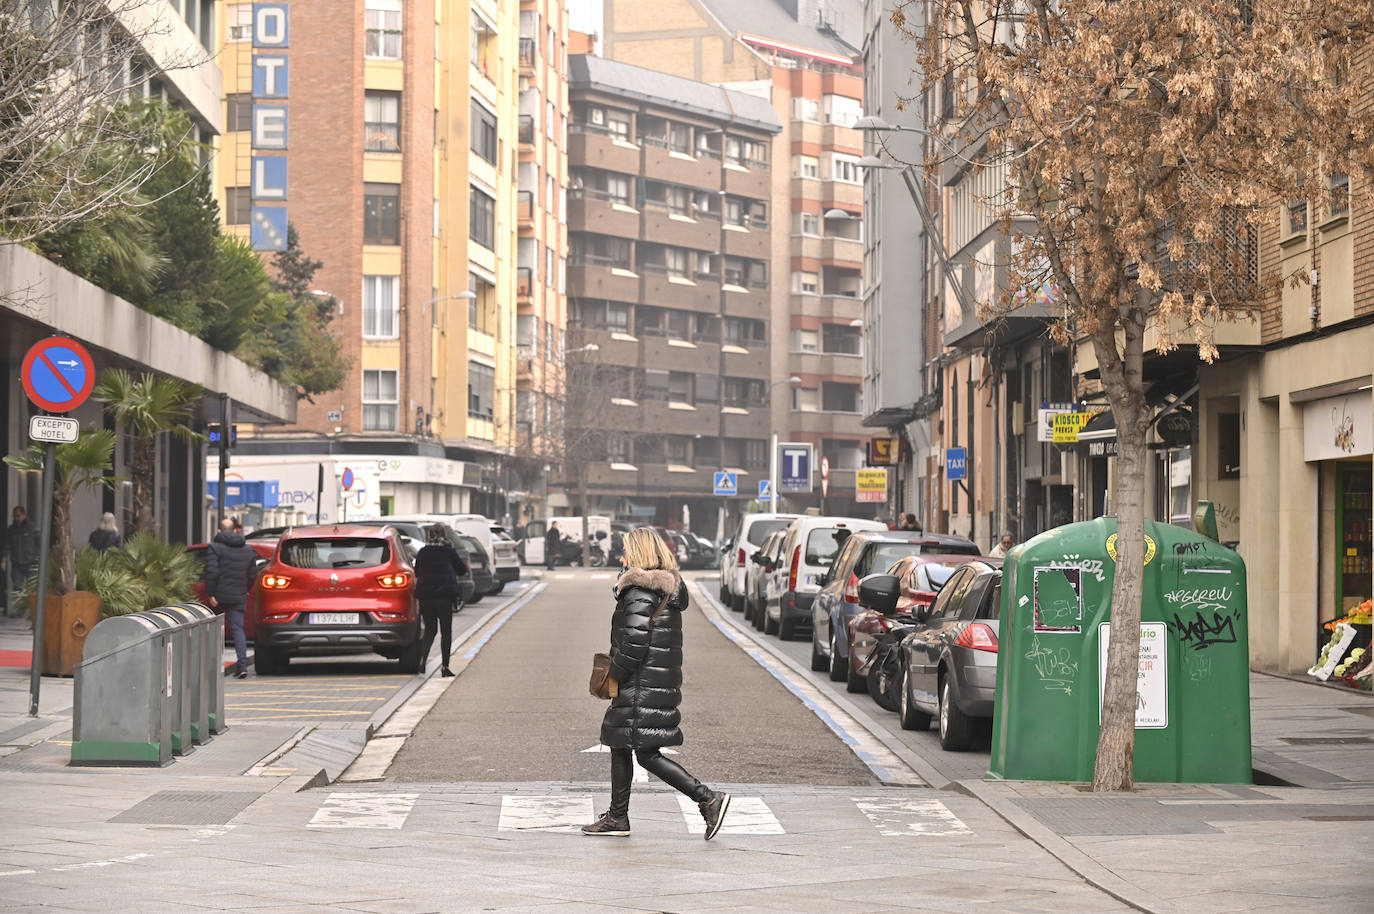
765 490
726 483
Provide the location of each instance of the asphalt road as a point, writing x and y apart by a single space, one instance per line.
521 712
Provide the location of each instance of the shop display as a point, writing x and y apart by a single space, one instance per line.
1355 526
1347 658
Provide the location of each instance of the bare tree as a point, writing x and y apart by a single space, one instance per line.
1145 142
68 72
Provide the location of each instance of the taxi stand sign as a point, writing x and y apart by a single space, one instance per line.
56 429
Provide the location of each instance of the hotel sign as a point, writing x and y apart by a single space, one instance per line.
271 119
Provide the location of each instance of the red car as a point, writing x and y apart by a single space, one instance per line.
921 578
335 590
264 551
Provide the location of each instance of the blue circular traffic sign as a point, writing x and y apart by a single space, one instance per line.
58 374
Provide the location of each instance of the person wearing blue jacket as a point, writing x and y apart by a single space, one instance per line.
437 570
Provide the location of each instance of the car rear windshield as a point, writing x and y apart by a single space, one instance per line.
356 552
824 543
950 548
885 555
759 530
474 549
933 575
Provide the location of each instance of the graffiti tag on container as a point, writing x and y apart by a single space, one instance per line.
1086 566
1200 632
1056 667
1199 666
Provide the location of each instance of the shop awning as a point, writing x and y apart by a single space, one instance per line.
1099 435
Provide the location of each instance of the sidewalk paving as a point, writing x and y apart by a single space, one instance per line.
1282 844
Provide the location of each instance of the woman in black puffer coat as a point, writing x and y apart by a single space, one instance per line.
646 683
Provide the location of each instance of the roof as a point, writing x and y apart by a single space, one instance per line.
586 72
771 19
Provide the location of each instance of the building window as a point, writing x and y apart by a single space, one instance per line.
842 110
806 109
809 223
806 283
845 168
618 448
481 391
382 121
379 401
707 388
383 23
806 167
680 386
838 339
1297 216
239 18
805 341
675 449
805 399
481 308
839 398
482 219
381 214
1340 195
655 385
239 112
238 205
549 267
379 307
483 133
755 453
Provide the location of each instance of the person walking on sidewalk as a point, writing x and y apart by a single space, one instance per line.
437 570
646 678
20 554
552 540
106 536
228 576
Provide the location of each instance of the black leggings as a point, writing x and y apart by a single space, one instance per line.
661 767
438 616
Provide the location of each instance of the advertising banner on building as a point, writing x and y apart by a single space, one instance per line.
1339 427
870 485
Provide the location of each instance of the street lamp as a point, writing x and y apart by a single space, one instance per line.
320 293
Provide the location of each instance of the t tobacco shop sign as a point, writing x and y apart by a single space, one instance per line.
271 87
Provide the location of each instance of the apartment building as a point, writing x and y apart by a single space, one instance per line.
384 134
670 217
803 56
542 247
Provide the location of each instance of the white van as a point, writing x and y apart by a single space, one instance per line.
749 535
505 561
811 545
570 528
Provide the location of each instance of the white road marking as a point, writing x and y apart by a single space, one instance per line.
564 813
640 775
564 575
364 810
896 817
746 816
600 576
17 872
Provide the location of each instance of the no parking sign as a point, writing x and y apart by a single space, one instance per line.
58 374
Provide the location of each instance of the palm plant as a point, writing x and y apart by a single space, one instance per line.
81 464
166 570
146 407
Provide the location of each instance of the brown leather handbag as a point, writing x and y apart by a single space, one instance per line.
600 682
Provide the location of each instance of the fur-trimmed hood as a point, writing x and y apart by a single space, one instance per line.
658 580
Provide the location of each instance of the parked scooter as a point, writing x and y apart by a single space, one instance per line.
885 663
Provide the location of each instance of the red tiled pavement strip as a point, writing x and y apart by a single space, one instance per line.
15 658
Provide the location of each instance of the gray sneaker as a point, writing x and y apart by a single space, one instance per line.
713 811
608 826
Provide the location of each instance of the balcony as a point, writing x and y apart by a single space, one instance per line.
599 277
842 194
752 242
527 56
671 290
596 211
752 363
595 147
827 364
837 249
663 225
524 209
843 308
679 166
826 423
674 354
748 179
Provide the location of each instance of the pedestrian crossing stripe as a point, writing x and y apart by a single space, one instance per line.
526 813
898 817
364 810
746 816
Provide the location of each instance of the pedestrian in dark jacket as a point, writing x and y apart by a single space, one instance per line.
437 570
20 554
552 540
646 677
229 564
106 536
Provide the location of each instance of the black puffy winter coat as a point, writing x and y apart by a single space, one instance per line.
646 662
229 564
437 570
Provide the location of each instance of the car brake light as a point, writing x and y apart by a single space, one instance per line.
275 582
979 637
393 580
792 571
740 559
851 589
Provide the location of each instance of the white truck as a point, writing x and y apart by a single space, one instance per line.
532 546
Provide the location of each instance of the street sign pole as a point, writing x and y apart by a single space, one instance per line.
40 599
773 476
224 433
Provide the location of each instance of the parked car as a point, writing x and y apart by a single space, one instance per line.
872 631
264 551
501 551
701 552
415 538
531 548
837 602
949 663
337 589
762 561
749 534
479 566
811 546
505 557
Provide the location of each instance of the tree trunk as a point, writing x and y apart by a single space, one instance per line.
62 539
145 461
582 501
1122 377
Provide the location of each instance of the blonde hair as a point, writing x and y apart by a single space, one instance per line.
645 549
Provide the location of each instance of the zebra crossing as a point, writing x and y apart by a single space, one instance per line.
890 816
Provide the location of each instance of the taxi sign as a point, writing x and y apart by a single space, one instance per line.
58 374
57 429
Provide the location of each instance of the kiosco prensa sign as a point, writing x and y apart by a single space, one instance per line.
271 119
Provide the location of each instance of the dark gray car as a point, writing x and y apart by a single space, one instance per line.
949 663
415 534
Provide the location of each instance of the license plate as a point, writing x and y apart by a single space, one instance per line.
334 618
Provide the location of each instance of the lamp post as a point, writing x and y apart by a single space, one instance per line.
774 501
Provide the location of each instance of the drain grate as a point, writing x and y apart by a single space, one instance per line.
1327 740
188 807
